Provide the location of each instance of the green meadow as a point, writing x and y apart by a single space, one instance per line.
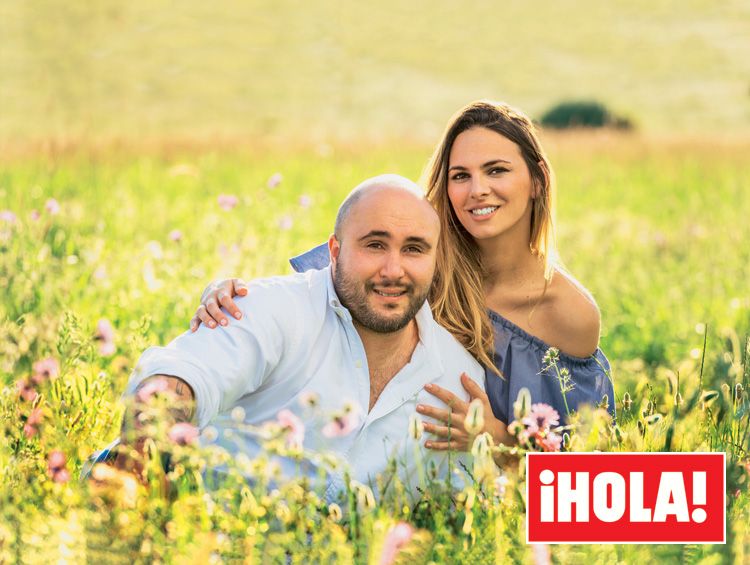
124 126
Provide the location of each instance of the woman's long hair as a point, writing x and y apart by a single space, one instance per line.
457 295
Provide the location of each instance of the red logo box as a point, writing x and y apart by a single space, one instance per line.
625 498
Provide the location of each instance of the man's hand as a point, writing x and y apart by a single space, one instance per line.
144 417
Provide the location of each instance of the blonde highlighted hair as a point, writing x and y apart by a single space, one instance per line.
457 295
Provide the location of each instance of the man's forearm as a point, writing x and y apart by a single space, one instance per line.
183 409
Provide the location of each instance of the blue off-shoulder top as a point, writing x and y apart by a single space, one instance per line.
520 357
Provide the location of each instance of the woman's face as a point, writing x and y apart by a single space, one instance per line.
489 185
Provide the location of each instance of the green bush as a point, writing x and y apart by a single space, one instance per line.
582 113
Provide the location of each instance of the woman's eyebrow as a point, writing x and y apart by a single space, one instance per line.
487 164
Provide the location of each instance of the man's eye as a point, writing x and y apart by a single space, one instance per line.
375 245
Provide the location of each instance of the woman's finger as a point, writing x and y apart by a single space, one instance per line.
226 301
445 416
446 445
453 401
452 433
474 390
215 312
240 287
205 317
195 321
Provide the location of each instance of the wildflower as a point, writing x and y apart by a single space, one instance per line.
334 512
227 201
551 356
294 426
285 222
627 402
397 537
305 201
8 217
183 433
416 427
105 334
56 467
678 399
344 422
210 434
52 207
549 442
474 421
738 390
619 434
481 446
151 388
566 440
501 482
34 215
26 390
541 417
308 399
365 497
238 414
175 235
604 403
522 405
653 419
31 427
274 180
100 273
45 369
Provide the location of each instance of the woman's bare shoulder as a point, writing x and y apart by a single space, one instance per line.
573 316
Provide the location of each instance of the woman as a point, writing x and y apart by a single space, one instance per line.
498 286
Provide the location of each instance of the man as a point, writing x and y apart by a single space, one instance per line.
358 336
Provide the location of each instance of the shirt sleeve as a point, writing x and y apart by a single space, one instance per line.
224 364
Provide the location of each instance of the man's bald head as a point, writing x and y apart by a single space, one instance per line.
370 187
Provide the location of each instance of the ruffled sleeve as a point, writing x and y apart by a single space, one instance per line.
519 355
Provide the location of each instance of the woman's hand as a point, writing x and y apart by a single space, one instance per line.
216 295
451 433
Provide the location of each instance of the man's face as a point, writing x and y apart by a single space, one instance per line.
384 264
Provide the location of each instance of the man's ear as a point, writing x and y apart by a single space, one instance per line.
334 248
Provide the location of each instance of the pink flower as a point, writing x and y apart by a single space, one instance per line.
31 427
151 388
541 417
34 215
175 235
8 216
305 201
56 469
286 222
342 424
541 554
227 201
294 426
52 206
46 369
274 180
26 390
396 538
183 433
549 442
105 334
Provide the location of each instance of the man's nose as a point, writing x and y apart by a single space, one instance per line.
392 268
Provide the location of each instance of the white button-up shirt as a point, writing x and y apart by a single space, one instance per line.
294 340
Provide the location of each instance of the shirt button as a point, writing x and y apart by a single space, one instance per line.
358 364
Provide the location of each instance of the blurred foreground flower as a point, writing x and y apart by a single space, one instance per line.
56 467
46 369
227 201
294 427
285 222
175 235
31 428
150 388
114 485
183 433
52 207
274 180
8 216
474 421
26 390
342 423
105 334
396 538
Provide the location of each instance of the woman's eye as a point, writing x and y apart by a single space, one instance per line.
414 250
497 170
459 176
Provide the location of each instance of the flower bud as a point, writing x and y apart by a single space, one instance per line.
416 427
522 405
474 421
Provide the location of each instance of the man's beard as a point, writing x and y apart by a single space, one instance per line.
354 296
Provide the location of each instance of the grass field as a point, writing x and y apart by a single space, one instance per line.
656 228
